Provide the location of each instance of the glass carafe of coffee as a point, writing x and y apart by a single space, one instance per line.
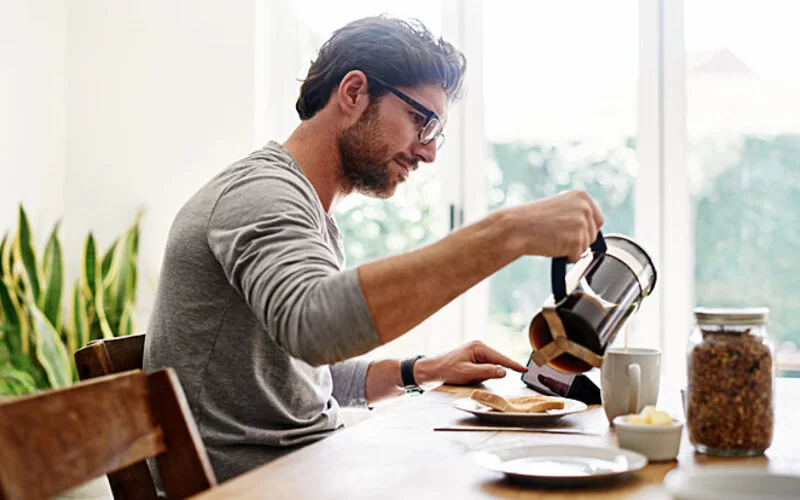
590 304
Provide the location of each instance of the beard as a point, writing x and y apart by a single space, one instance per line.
364 155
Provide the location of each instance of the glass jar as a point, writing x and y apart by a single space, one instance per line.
731 376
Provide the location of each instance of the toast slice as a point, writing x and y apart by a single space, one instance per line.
540 406
491 400
524 404
523 400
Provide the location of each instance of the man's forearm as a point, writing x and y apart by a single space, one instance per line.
383 381
404 290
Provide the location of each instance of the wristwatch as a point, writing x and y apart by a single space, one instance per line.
407 375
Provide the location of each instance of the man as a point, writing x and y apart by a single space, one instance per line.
253 309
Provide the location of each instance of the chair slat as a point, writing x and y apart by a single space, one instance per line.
186 456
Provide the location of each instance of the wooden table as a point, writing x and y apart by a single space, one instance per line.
397 454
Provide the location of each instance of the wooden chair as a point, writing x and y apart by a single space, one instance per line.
53 441
105 357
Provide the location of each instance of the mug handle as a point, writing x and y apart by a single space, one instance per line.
558 269
635 387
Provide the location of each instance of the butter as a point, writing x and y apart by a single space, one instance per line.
650 416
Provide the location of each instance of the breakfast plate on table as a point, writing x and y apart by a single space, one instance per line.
492 415
560 465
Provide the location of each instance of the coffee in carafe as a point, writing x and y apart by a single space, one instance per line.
591 304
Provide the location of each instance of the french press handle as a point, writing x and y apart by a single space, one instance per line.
558 270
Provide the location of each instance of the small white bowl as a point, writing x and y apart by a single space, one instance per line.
659 443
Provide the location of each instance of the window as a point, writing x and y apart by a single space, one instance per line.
743 124
560 101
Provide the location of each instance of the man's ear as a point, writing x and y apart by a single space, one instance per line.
352 95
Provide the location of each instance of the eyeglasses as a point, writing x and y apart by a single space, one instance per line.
432 129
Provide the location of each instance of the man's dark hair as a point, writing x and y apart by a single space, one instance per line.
401 53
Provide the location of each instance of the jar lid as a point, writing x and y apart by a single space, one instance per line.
731 315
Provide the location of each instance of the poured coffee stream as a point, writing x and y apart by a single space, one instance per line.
626 339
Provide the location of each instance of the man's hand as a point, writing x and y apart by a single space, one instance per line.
561 226
469 364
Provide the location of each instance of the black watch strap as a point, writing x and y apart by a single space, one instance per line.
407 374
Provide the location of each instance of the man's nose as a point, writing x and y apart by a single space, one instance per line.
426 152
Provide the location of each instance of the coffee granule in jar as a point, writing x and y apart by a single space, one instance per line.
730 393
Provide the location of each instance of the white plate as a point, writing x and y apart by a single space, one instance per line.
731 482
560 464
483 412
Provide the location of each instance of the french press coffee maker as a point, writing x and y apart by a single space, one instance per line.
590 304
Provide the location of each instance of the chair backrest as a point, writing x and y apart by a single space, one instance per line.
56 440
105 357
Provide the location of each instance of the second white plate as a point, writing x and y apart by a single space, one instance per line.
560 464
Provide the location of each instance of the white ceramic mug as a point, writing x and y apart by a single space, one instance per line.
629 380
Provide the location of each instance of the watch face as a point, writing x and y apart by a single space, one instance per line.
414 390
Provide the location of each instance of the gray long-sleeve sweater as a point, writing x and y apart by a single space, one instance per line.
256 315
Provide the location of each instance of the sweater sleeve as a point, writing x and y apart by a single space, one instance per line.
350 382
266 231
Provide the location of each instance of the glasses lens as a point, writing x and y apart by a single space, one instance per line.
440 141
431 131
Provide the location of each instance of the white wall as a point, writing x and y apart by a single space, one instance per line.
108 107
160 96
32 34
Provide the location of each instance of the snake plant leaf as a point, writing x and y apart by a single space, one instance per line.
126 322
3 244
7 328
10 318
16 382
24 362
89 267
133 268
50 350
70 337
54 279
126 278
108 269
5 356
80 319
26 254
92 284
6 258
102 318
15 316
130 297
47 258
109 272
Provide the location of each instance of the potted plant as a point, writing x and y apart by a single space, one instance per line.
38 335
